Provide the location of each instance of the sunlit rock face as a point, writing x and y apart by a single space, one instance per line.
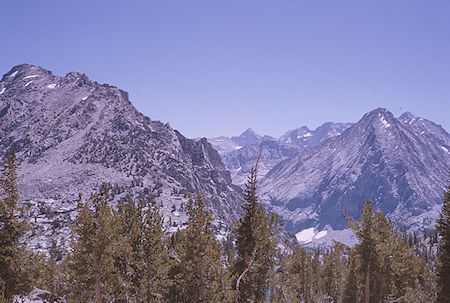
400 163
71 134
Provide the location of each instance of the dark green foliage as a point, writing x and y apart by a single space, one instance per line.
443 272
95 238
334 271
198 274
386 267
53 279
294 279
255 247
118 255
351 292
125 255
19 267
143 259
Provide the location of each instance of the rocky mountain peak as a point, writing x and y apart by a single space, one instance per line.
378 117
401 167
249 131
378 125
426 128
268 138
293 136
26 73
71 134
407 117
304 138
248 137
76 76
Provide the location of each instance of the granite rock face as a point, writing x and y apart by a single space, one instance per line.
401 164
72 134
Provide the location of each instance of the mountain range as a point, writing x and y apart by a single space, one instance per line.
400 164
312 177
72 134
240 153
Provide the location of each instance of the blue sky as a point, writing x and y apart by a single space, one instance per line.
213 68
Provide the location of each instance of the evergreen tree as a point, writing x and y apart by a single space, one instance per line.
334 272
316 281
52 278
386 264
351 293
94 240
367 247
155 254
255 246
144 261
198 272
18 265
294 279
443 271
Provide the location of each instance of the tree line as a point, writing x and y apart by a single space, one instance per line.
126 254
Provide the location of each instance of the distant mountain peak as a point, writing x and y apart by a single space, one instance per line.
304 128
379 119
268 138
303 137
76 76
24 72
379 112
249 136
249 131
401 167
25 67
407 117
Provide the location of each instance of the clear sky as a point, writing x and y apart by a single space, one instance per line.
213 68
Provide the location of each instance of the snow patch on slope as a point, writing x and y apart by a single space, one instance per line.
29 77
305 235
309 234
344 236
383 120
320 234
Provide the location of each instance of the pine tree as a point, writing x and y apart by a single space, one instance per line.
316 281
155 254
52 277
294 279
334 271
143 265
367 248
198 272
386 264
18 265
255 246
443 271
94 240
350 294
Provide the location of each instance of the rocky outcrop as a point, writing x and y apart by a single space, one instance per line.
71 134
